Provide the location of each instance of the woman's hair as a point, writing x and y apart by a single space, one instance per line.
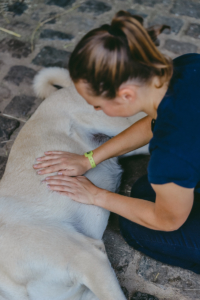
112 54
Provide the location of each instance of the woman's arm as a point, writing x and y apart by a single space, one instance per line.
134 137
170 210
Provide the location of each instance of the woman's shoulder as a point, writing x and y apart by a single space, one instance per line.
186 59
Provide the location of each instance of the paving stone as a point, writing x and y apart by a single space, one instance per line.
36 16
17 74
18 25
180 47
174 23
52 57
165 275
4 92
188 8
137 12
119 253
55 35
98 7
61 3
7 127
51 15
193 30
17 48
143 296
18 8
20 106
152 2
3 161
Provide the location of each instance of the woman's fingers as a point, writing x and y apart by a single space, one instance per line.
55 152
61 178
46 164
48 170
59 182
48 157
52 155
60 188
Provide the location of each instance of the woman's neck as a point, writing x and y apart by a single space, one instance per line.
151 96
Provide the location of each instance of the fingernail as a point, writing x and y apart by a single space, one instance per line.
39 158
59 173
47 178
39 172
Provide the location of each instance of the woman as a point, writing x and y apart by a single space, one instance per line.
117 69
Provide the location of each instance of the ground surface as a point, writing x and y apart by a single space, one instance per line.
51 46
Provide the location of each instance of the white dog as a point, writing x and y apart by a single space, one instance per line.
50 246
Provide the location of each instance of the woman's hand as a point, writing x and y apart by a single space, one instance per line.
65 163
77 188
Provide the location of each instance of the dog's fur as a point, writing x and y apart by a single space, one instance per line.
50 246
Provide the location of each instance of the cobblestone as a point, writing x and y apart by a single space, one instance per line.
180 47
4 93
142 296
55 35
174 23
193 30
17 74
20 106
152 2
17 8
136 272
3 161
189 8
98 7
52 57
17 48
7 127
137 12
61 3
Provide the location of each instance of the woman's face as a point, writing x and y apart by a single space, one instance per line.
117 107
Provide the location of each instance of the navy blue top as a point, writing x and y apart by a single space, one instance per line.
175 146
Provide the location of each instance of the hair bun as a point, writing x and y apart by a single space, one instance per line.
123 13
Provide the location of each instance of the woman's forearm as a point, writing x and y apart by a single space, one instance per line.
136 210
134 137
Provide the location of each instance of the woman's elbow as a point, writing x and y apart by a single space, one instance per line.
172 225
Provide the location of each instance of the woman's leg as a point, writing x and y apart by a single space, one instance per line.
178 248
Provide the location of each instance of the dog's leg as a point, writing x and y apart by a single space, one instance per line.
94 271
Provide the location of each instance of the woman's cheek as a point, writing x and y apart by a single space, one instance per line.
110 111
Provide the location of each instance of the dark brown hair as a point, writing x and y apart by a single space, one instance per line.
112 54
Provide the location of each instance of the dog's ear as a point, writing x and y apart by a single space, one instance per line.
155 30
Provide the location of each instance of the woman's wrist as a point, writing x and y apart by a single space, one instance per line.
101 198
86 163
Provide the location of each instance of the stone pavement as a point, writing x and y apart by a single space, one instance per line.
50 45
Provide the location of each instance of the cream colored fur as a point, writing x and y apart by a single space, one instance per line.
50 246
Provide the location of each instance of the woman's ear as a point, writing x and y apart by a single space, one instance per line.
127 94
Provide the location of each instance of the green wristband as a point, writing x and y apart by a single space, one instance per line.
91 160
